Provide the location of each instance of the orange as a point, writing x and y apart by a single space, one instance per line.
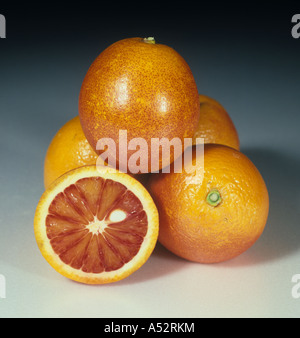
215 216
69 149
144 88
215 124
95 225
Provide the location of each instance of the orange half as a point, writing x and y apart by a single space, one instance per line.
95 225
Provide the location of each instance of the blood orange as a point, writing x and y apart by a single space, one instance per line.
144 88
69 149
215 124
214 214
96 226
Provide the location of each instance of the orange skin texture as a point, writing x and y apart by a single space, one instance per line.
195 230
215 124
146 89
69 149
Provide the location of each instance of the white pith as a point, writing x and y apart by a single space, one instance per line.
98 227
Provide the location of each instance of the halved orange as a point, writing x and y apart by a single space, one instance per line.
96 225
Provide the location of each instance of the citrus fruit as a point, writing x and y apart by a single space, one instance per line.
216 216
143 88
95 225
215 124
69 149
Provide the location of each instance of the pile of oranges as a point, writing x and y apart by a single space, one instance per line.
98 224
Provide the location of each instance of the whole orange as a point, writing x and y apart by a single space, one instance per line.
144 88
215 216
69 149
215 124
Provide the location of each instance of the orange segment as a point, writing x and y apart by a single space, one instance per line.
111 193
59 226
96 227
93 260
89 188
132 224
63 208
75 254
61 244
79 203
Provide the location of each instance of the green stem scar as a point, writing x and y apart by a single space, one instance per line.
150 40
214 198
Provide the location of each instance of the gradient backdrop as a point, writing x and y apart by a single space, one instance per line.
245 57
